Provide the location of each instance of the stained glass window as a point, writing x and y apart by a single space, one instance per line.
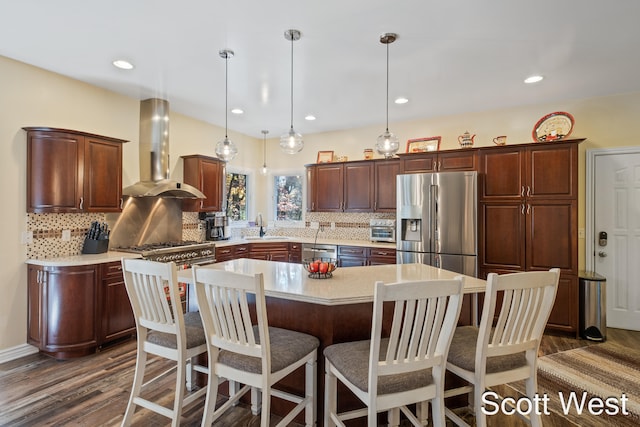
236 186
288 197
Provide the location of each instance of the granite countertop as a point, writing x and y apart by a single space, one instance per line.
83 259
347 286
272 238
111 256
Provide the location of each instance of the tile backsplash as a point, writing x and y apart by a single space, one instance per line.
47 230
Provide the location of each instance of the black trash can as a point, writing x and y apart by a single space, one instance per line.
593 306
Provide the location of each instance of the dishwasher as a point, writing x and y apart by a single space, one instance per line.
319 250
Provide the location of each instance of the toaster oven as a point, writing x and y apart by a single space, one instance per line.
382 230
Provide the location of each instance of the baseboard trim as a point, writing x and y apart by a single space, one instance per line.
17 352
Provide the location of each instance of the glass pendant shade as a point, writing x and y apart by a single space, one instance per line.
387 144
291 142
226 149
263 171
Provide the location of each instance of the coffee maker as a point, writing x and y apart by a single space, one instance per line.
216 226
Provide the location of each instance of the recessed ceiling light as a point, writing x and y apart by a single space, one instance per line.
122 64
533 79
309 117
237 111
401 100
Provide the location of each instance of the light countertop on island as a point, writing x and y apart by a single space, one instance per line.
348 285
83 259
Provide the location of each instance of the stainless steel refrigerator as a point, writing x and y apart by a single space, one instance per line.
437 220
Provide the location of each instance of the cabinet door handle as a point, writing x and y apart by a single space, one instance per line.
435 165
121 203
201 203
528 208
528 190
81 203
439 166
522 191
522 209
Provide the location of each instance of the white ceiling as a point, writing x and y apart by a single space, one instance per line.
451 56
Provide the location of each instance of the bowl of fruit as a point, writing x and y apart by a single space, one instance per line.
320 268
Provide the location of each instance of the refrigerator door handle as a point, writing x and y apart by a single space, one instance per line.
435 230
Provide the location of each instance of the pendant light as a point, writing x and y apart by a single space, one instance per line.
226 149
263 171
291 142
387 143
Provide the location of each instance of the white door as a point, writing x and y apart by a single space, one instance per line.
616 254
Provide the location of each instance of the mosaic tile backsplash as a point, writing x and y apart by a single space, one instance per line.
48 243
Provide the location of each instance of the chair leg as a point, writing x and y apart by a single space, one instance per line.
330 391
422 412
256 397
393 417
310 373
179 397
437 407
481 418
138 378
265 410
210 399
531 387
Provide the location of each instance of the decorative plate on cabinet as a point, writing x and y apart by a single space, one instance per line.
553 127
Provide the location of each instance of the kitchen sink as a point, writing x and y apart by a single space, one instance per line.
266 238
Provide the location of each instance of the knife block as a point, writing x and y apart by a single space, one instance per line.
92 246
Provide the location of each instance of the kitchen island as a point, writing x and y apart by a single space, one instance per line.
338 309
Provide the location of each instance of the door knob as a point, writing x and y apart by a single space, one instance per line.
602 254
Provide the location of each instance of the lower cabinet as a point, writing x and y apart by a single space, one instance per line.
272 251
356 256
352 256
74 310
117 319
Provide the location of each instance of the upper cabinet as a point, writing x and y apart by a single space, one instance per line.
445 161
360 186
73 172
207 174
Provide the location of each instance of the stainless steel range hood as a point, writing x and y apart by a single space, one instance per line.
154 156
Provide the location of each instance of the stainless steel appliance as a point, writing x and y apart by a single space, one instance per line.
436 220
382 230
183 253
216 226
319 250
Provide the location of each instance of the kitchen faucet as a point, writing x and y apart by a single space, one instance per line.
260 224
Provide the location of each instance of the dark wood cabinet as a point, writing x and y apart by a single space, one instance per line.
117 319
528 217
353 256
74 310
226 253
272 251
329 191
344 187
379 256
63 315
73 172
384 187
207 174
295 252
443 161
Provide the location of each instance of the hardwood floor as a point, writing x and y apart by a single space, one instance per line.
94 390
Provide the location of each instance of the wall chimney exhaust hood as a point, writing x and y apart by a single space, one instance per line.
154 156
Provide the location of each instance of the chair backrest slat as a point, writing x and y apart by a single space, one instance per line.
223 298
526 304
424 316
153 291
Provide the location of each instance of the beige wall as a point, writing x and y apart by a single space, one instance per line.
34 97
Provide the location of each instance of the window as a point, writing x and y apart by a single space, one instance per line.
288 197
236 184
